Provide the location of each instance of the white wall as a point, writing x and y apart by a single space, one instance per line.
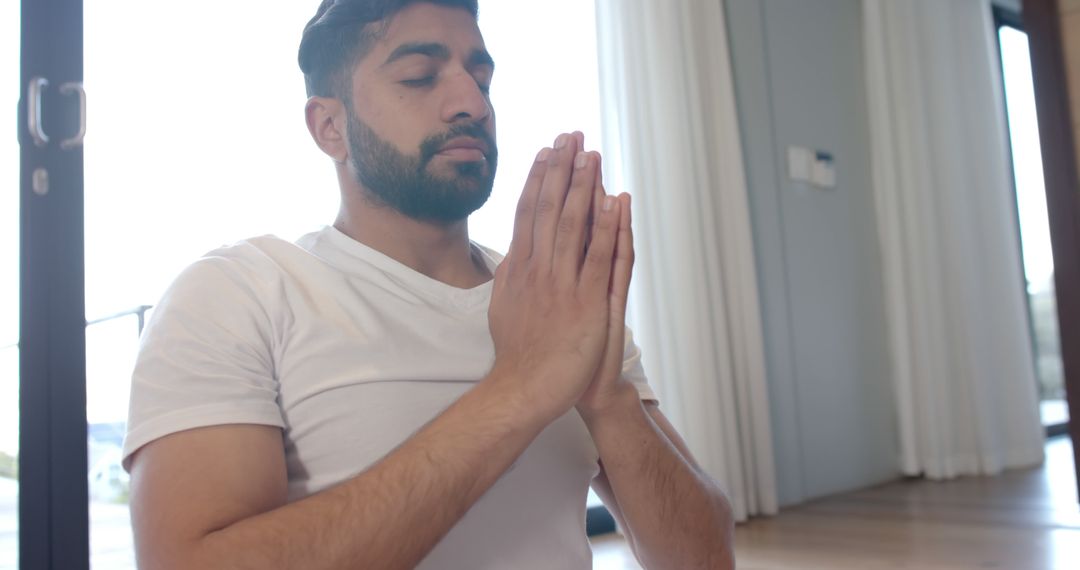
799 79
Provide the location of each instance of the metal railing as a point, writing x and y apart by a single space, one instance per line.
139 312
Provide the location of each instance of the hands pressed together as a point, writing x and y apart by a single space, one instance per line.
559 301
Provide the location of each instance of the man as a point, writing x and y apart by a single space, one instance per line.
386 394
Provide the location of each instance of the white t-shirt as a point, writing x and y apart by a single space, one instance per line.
350 352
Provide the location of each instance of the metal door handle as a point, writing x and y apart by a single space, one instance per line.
77 140
33 98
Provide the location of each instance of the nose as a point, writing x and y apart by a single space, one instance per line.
465 101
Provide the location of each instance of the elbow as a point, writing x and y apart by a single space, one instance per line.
711 546
724 554
727 554
716 545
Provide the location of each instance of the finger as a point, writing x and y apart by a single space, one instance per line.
620 285
599 192
623 265
549 205
596 272
521 243
570 236
597 198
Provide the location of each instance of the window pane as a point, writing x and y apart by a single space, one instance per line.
9 285
9 454
1034 226
537 94
111 345
200 140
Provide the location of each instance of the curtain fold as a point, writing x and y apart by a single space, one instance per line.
671 139
959 334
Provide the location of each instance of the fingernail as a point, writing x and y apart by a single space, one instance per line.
562 141
609 203
543 155
581 160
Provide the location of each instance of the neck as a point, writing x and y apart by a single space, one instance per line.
441 252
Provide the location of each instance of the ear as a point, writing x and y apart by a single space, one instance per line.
326 123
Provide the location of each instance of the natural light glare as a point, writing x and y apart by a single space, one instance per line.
1027 159
9 282
199 143
196 139
9 227
1034 223
546 82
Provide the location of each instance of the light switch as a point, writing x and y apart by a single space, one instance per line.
800 163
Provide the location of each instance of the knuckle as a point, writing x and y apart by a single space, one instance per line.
581 182
545 207
531 276
555 159
596 257
567 223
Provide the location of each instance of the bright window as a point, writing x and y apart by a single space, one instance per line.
1034 223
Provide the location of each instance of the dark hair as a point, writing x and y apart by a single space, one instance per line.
342 31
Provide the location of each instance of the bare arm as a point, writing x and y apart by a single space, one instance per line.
215 497
674 515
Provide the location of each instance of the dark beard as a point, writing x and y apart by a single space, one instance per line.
402 182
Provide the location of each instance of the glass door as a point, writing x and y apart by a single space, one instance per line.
198 140
1034 223
52 527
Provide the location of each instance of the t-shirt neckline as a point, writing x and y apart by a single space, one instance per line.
343 251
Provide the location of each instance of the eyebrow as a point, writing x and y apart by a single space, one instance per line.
437 51
481 57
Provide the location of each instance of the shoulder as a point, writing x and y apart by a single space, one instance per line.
233 283
249 264
259 254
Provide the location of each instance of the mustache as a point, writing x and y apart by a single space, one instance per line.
431 145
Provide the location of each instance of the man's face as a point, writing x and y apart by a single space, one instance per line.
421 130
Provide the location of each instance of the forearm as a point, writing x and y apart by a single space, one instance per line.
394 513
676 515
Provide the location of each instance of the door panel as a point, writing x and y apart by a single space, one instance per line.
52 421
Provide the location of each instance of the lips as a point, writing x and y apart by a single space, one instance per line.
465 148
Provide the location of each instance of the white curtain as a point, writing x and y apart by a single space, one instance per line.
960 340
671 139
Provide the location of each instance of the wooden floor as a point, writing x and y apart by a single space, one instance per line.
1022 520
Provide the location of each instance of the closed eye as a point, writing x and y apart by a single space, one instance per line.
483 77
420 82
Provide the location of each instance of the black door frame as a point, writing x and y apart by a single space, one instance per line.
1042 18
53 495
1004 17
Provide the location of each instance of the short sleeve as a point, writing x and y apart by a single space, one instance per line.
632 369
206 357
